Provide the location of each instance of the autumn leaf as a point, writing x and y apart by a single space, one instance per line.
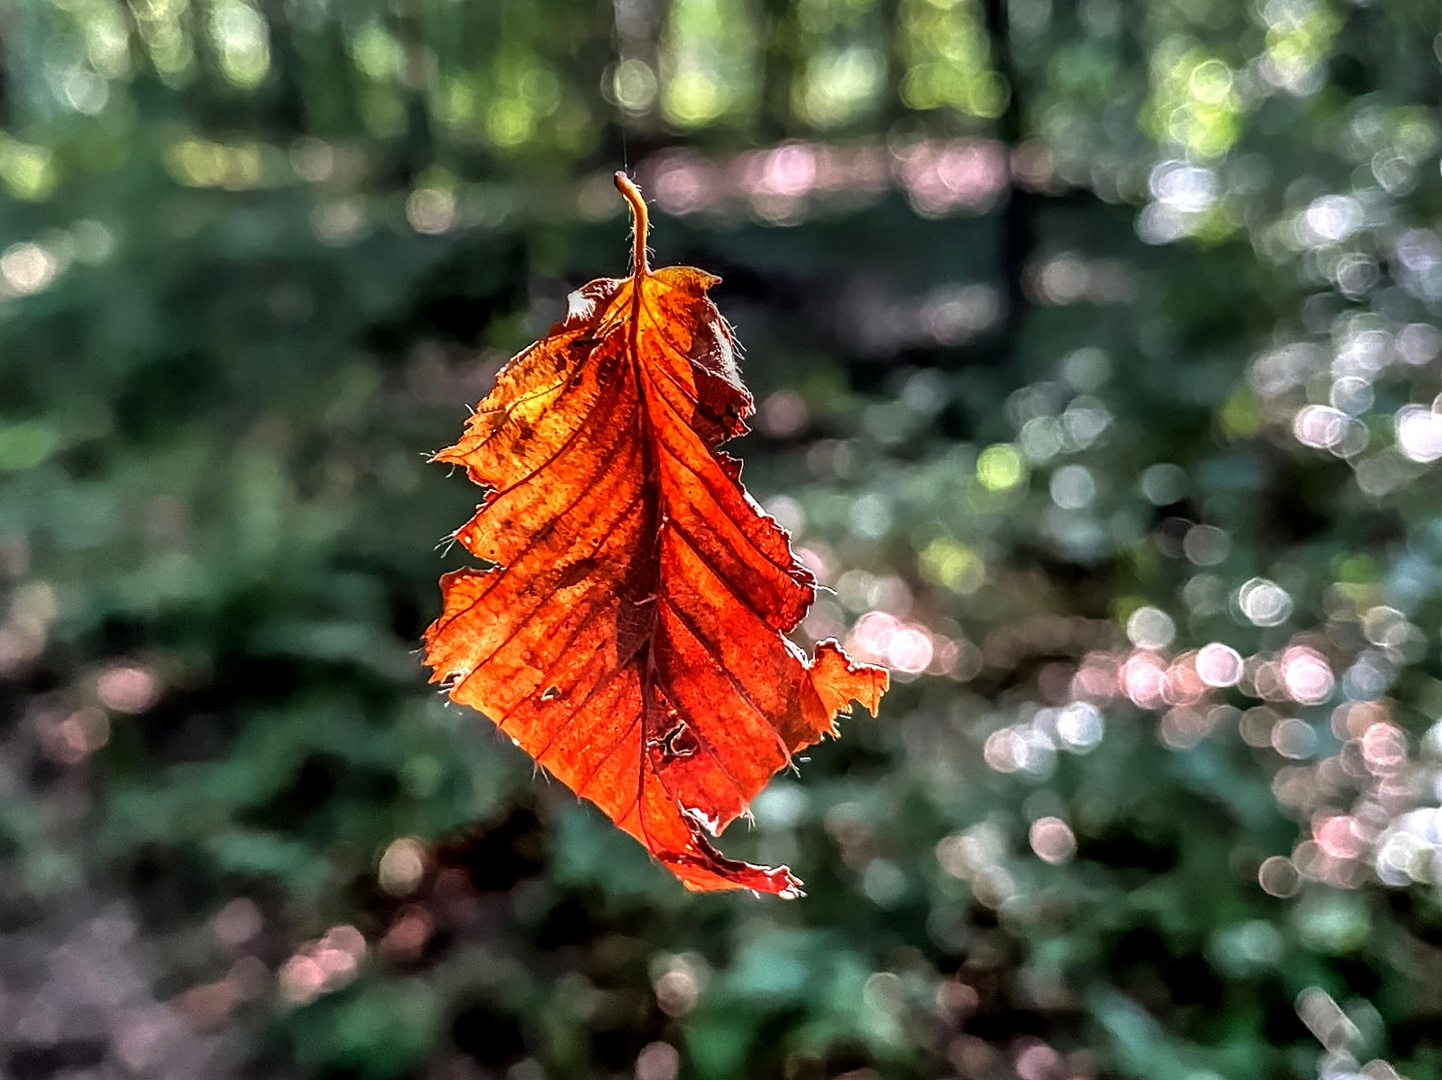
628 630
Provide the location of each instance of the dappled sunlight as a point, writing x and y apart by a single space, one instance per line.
1097 370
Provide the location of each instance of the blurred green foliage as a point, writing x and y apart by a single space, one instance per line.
1096 350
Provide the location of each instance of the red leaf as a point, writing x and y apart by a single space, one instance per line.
628 633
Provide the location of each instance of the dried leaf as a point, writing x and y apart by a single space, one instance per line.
628 633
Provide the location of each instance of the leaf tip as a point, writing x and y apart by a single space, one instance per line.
839 679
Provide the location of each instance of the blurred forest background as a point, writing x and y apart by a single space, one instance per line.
1096 355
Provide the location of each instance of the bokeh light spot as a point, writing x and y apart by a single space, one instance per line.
1052 839
1000 468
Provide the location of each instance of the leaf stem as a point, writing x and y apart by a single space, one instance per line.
640 224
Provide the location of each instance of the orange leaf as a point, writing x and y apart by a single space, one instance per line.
628 633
